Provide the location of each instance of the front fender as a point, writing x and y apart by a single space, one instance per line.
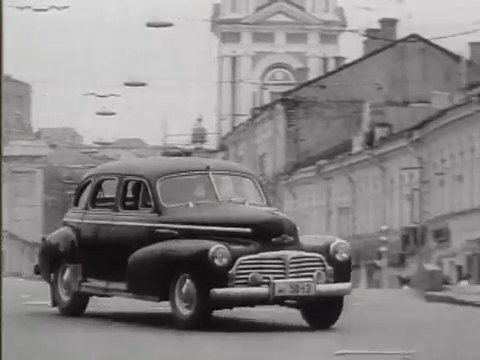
57 246
151 269
342 270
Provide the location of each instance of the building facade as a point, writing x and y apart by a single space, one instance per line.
16 109
267 47
22 205
386 91
423 183
351 151
59 136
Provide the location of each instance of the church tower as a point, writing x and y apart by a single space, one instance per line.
266 47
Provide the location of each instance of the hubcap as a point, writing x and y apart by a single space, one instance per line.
185 294
65 283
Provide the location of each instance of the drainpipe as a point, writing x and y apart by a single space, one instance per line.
353 188
421 178
379 164
384 227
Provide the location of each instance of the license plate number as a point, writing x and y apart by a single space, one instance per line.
297 288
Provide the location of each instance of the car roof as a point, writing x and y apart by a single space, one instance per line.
153 168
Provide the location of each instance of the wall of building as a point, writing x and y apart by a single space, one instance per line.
451 152
430 178
260 144
18 257
16 109
314 127
22 200
355 196
22 205
406 72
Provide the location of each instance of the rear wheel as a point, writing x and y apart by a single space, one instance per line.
69 301
323 313
189 301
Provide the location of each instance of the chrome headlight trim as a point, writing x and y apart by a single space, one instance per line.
340 250
219 255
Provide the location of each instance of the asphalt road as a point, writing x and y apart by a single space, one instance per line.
373 320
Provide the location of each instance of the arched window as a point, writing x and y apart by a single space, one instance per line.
274 82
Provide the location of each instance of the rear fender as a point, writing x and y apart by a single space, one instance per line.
151 269
61 245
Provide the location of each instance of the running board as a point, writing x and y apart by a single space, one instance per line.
104 288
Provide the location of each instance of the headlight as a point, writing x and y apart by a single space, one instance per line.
219 255
340 250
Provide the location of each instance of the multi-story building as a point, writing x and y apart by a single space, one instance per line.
393 84
16 109
353 110
267 47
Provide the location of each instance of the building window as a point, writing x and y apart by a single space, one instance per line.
230 37
279 76
263 38
233 6
329 39
326 5
297 38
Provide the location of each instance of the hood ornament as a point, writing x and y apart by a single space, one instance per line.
283 239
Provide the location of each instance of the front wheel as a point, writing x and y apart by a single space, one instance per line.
189 302
69 301
322 314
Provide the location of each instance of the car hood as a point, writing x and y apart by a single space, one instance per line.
264 223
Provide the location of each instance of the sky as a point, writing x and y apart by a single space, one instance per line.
98 45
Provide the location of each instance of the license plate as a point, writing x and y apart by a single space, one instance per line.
294 288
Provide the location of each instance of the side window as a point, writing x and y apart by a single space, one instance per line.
81 197
104 194
135 196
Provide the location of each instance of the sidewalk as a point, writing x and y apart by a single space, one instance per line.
458 295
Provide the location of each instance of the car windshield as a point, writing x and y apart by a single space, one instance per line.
196 188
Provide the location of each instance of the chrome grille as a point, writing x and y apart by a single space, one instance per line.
277 266
302 266
273 268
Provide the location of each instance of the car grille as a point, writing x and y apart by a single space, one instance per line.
293 265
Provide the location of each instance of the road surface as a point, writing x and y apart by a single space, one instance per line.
374 320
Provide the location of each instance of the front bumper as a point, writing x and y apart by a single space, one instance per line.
263 295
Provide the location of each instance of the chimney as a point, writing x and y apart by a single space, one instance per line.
372 42
475 52
388 28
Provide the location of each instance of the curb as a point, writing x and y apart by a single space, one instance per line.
450 299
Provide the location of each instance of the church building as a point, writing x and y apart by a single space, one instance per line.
266 47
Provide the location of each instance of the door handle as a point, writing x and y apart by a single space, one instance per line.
166 233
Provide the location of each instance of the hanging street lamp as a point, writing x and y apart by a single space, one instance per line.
106 113
135 83
158 24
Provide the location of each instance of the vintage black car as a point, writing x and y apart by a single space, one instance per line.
199 233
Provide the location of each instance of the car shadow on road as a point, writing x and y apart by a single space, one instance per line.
217 324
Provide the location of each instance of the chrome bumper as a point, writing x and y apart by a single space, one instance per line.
261 295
